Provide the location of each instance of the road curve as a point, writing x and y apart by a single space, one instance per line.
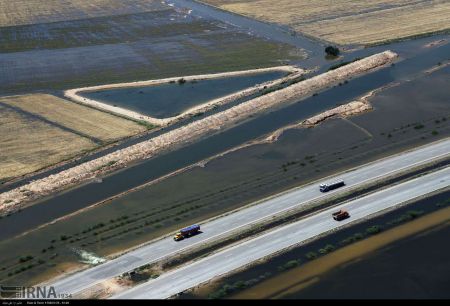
265 209
230 259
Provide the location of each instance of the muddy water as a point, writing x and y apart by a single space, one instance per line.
382 265
270 31
133 176
169 100
233 180
416 268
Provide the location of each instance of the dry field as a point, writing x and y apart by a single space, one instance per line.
83 120
28 145
349 22
40 130
20 12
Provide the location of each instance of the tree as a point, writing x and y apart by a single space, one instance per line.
332 51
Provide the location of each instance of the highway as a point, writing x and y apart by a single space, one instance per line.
165 247
230 259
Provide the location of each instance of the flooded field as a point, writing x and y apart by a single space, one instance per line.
131 46
420 263
356 261
298 156
167 100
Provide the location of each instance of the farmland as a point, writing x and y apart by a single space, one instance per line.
21 12
263 169
40 130
349 22
91 46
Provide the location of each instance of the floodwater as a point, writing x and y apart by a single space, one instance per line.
233 180
88 194
384 266
168 100
270 31
417 268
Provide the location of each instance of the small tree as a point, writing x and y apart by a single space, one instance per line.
332 51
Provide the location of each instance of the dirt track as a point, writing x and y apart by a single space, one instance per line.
16 198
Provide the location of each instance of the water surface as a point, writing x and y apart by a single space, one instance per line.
172 99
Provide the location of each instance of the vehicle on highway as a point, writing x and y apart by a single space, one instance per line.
340 215
187 232
331 186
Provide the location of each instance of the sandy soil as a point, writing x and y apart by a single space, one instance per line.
14 199
73 93
103 290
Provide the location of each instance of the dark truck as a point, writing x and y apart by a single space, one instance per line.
187 232
340 215
331 186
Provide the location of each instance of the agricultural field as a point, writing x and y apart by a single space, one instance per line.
20 12
349 22
235 179
82 45
40 130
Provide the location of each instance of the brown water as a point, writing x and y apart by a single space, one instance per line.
271 282
415 268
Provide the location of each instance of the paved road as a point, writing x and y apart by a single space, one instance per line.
245 253
294 198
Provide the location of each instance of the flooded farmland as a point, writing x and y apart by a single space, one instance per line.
105 47
298 156
392 272
167 100
132 45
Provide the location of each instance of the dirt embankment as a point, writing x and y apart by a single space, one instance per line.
16 198
74 93
343 111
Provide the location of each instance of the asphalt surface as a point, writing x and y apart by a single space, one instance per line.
247 252
294 198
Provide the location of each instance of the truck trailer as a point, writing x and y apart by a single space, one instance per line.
331 186
187 232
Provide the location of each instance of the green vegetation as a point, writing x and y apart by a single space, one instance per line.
332 51
327 249
375 229
408 216
25 258
289 265
311 255
227 289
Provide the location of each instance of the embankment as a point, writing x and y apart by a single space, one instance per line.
17 198
74 93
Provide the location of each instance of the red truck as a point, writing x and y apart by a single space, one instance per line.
340 215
